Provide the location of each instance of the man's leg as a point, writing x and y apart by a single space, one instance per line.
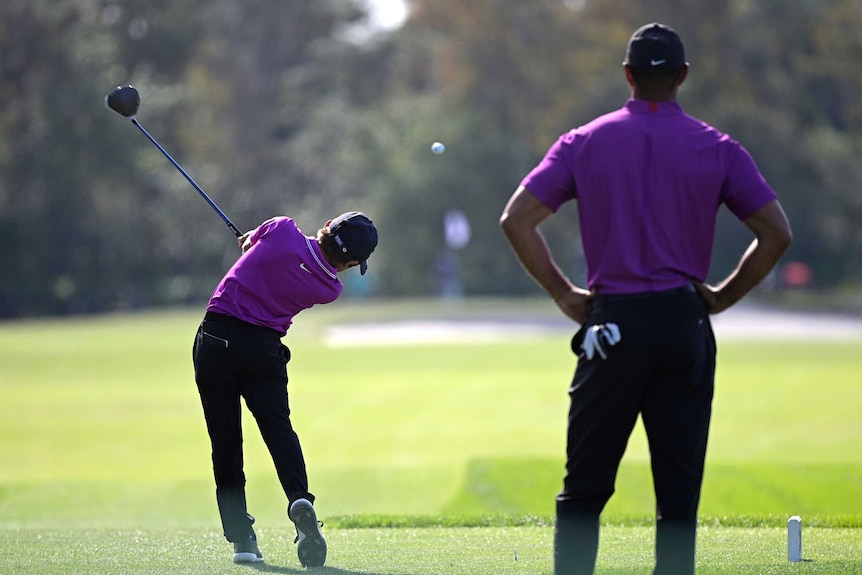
604 408
676 415
576 541
677 479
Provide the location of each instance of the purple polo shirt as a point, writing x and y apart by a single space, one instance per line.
281 274
649 180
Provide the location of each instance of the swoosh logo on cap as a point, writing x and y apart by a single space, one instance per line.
657 62
305 269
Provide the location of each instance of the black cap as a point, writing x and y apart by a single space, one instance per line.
356 237
655 47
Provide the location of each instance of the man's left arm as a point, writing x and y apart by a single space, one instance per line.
772 237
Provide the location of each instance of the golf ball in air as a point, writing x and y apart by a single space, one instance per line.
438 148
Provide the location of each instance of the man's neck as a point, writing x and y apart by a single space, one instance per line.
654 97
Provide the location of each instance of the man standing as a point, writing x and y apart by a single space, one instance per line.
238 353
649 180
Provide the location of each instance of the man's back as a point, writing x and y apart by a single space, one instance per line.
649 180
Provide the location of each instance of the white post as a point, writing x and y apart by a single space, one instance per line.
794 539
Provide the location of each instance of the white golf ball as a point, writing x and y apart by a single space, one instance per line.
438 148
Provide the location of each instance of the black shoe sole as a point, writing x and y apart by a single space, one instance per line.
312 549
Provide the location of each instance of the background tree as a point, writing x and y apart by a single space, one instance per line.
295 107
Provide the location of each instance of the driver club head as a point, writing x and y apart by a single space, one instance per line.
124 100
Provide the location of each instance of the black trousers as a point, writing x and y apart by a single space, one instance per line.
234 359
663 369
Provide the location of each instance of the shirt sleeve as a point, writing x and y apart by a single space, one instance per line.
745 189
265 228
551 181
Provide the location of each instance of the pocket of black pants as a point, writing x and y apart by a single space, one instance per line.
578 340
210 343
214 335
207 338
691 353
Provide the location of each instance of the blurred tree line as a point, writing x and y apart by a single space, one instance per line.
299 108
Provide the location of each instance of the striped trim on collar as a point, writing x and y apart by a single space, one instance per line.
322 265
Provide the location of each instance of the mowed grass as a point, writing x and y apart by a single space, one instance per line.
412 551
101 429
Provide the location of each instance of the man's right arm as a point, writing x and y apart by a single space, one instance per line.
520 223
772 237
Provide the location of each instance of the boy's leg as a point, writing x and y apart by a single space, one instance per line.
267 399
215 375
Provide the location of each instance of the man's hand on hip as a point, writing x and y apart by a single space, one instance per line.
573 303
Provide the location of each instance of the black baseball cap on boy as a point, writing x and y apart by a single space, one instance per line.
655 47
356 237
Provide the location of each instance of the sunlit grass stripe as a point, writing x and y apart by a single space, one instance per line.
505 520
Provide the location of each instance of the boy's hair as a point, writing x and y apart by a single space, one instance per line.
329 247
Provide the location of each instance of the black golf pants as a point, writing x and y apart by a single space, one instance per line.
662 369
234 359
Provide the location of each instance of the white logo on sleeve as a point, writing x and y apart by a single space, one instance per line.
305 269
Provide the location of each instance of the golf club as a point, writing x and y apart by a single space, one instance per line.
125 100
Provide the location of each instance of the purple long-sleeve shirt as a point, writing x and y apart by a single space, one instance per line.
283 273
649 180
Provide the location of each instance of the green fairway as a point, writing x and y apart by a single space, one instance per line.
411 551
100 428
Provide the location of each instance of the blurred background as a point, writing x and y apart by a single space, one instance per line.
309 109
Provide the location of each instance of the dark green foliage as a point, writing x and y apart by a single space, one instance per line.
275 107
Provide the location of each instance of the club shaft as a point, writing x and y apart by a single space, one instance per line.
203 194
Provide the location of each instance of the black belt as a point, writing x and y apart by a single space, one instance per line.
647 295
223 319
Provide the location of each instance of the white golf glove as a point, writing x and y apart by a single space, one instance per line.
599 338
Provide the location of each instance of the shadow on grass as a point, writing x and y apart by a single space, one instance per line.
265 568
